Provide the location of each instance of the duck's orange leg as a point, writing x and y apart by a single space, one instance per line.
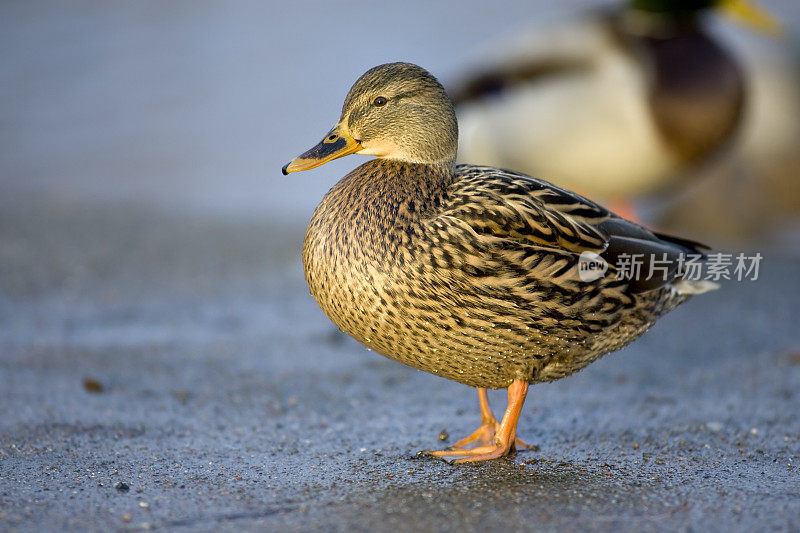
484 435
505 433
625 209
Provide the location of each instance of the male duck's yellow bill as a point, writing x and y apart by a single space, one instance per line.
337 143
750 13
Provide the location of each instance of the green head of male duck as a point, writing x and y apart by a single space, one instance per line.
745 11
396 111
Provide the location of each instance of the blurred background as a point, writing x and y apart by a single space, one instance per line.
194 107
154 317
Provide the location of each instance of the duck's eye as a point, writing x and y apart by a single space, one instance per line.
379 101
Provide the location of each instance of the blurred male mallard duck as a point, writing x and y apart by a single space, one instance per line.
616 104
470 272
752 193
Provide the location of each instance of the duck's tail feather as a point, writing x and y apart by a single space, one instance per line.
692 287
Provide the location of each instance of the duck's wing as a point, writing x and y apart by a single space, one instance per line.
515 207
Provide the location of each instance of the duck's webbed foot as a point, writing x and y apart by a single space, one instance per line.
483 436
492 439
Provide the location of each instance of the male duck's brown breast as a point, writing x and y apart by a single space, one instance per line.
696 92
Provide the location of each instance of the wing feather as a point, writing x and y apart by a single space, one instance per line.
534 212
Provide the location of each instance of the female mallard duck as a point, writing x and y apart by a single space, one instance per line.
469 272
616 104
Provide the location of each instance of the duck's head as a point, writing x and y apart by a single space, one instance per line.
396 111
746 11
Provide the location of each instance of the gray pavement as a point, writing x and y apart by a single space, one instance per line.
171 371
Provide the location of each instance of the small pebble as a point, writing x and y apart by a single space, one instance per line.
444 435
92 385
126 518
122 486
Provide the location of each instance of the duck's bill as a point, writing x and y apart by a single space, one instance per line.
337 143
751 14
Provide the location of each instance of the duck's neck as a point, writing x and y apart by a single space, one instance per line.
660 25
395 192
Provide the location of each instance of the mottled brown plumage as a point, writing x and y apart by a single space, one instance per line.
469 272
